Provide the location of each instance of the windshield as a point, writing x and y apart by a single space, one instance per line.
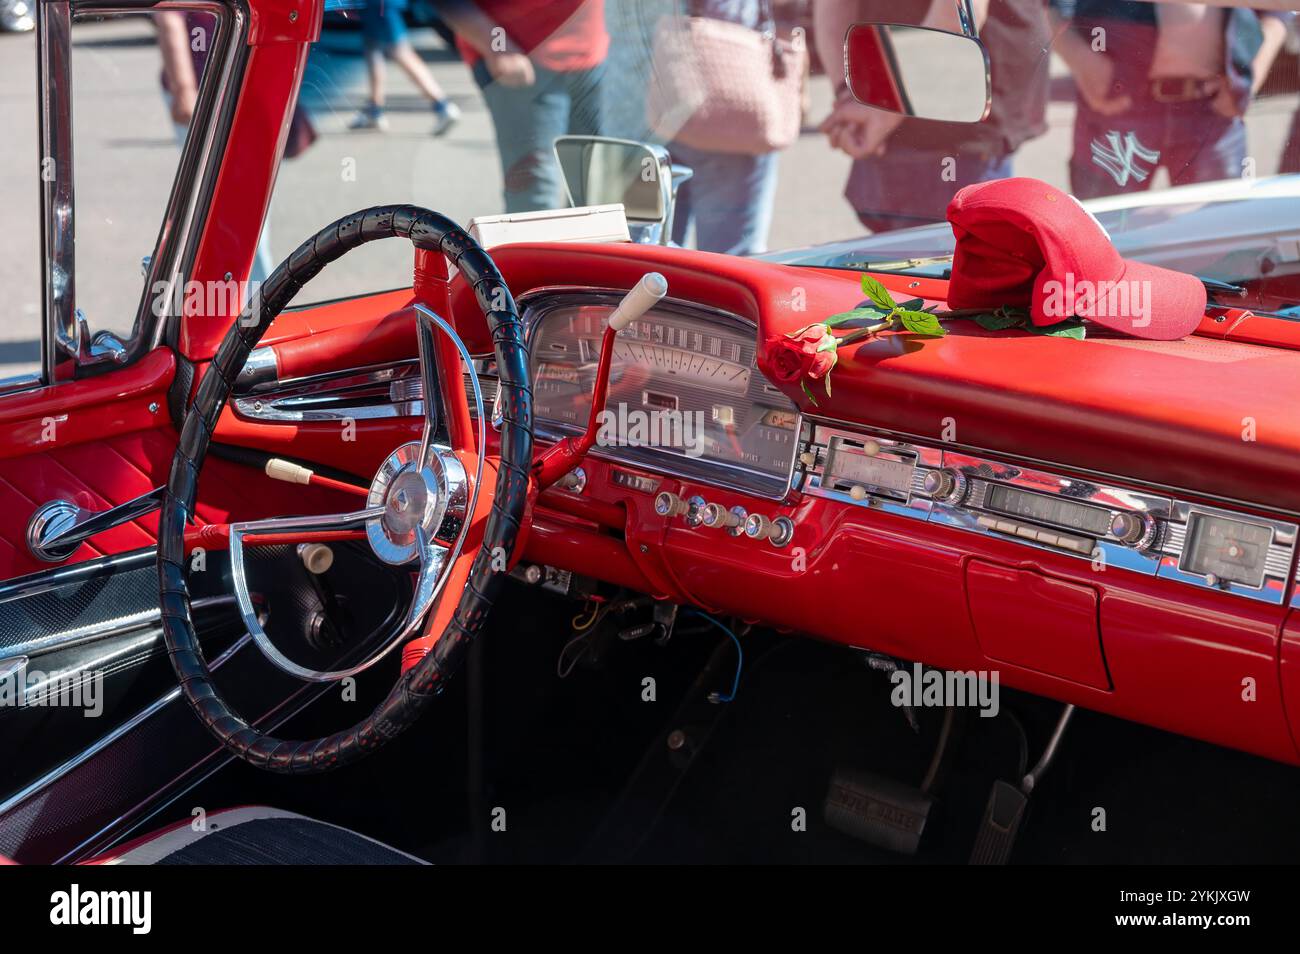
1175 121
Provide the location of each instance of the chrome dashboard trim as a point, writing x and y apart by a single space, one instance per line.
260 370
656 460
1277 563
974 512
1156 555
366 393
820 440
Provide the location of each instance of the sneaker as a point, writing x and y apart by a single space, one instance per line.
372 117
445 115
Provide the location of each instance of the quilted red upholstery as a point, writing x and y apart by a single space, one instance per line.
110 471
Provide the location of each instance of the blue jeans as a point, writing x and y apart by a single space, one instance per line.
907 187
1120 154
529 119
728 200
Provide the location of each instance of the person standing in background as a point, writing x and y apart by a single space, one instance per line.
907 170
384 35
728 200
539 65
184 40
1161 85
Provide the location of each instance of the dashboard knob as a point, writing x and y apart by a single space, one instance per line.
670 505
316 557
719 517
575 480
1132 529
946 485
777 532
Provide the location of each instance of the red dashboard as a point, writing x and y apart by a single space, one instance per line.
1144 418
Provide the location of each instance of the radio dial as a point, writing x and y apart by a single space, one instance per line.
946 485
1133 529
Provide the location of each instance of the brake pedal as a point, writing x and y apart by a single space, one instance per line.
877 810
882 811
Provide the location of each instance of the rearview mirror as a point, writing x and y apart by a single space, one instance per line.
918 72
602 171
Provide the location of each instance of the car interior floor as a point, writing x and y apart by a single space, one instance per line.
516 764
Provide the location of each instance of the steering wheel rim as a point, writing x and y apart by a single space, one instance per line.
421 682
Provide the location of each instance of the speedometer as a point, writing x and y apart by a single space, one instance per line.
683 383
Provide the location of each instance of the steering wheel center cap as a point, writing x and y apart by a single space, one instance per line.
429 499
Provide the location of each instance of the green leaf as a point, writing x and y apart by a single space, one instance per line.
999 320
827 379
804 384
1071 328
878 293
864 314
921 323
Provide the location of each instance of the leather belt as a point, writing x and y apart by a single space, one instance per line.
1184 89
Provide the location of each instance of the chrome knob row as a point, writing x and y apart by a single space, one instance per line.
777 531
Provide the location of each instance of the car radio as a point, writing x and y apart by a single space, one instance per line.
1079 517
1147 533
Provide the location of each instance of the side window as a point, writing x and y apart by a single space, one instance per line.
129 122
20 265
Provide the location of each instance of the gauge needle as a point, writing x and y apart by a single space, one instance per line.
735 442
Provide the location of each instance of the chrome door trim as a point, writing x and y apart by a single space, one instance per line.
54 121
90 751
187 203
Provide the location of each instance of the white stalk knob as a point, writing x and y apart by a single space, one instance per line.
645 294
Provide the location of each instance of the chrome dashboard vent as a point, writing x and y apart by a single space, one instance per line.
378 391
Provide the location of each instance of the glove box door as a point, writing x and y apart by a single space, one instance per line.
1025 618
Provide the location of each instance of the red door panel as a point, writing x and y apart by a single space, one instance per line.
105 440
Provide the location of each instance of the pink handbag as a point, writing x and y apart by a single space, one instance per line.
722 87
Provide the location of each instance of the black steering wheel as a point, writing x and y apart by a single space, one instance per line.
420 506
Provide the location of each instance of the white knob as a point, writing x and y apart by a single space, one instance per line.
287 471
645 294
670 505
719 517
316 557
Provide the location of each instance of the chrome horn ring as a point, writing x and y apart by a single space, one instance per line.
419 509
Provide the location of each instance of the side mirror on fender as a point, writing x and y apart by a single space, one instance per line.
640 176
918 71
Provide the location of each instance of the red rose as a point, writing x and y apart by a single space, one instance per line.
805 354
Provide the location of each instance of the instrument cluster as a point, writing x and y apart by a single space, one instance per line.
684 395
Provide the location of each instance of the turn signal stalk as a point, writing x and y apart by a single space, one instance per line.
562 457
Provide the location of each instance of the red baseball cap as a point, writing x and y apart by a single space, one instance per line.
1021 242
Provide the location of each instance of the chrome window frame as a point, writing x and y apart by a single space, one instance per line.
172 253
